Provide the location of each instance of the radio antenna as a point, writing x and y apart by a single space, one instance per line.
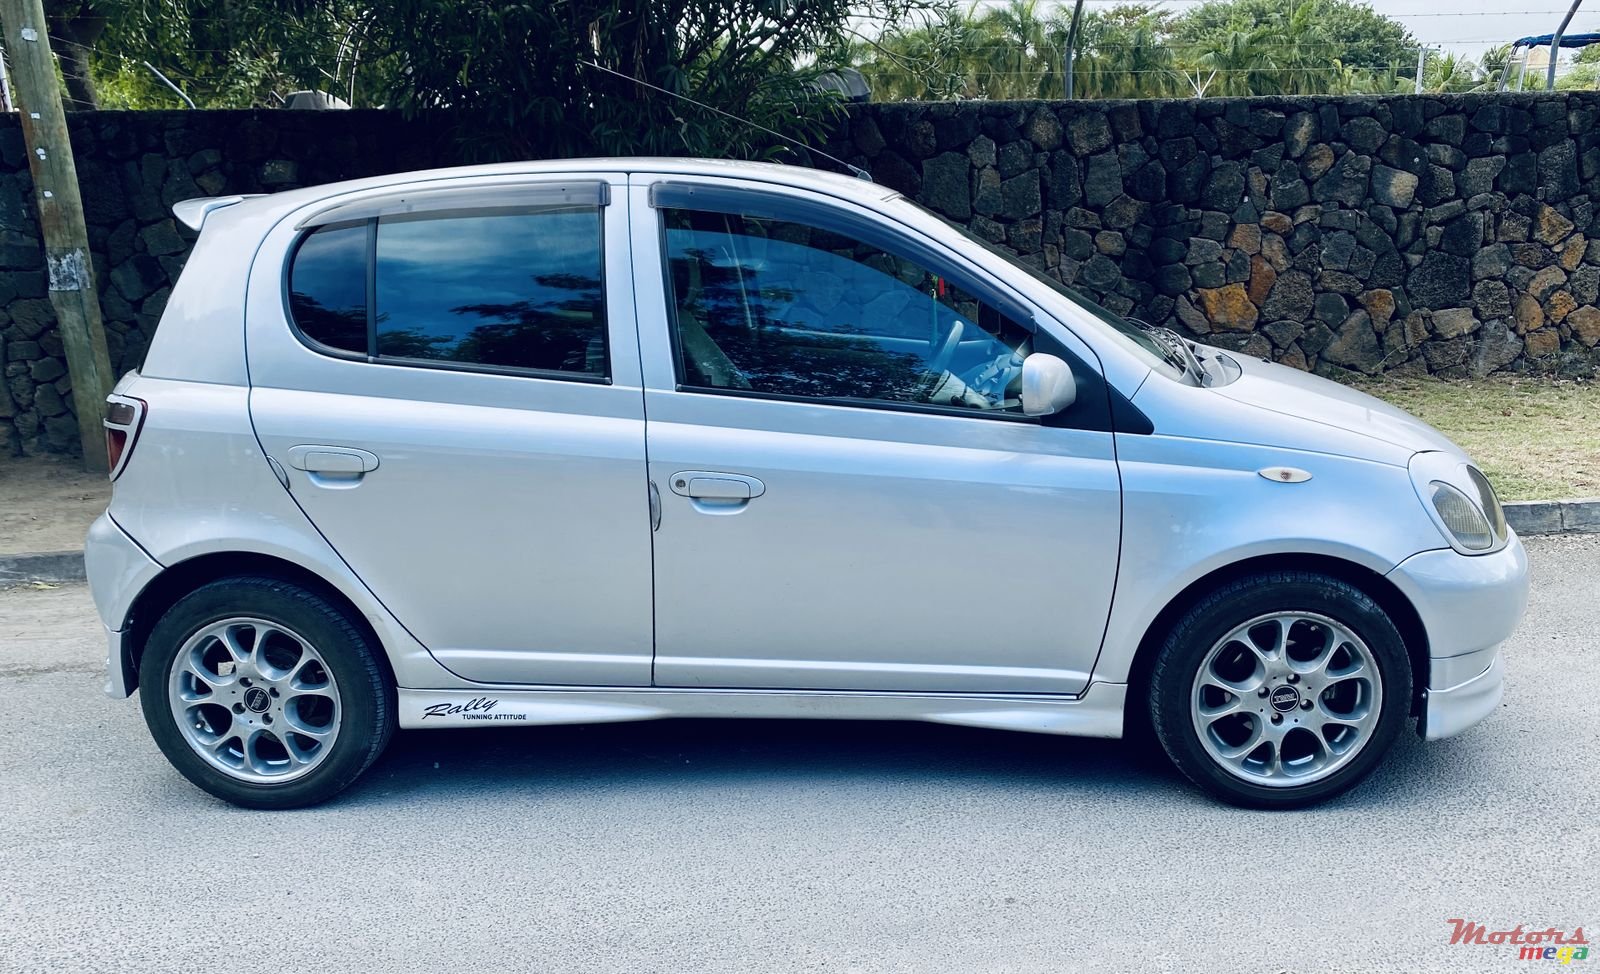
857 171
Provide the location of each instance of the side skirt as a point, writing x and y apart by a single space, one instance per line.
1097 712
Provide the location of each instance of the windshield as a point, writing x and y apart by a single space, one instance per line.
1129 334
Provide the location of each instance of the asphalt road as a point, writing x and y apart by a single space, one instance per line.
778 846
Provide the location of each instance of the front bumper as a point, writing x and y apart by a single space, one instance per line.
1469 606
1450 711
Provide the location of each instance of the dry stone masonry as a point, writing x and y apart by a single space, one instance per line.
1455 235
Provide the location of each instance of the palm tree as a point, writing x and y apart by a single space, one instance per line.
1243 62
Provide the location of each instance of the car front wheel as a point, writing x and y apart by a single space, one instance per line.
1280 690
264 693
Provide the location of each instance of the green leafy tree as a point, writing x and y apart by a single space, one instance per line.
1356 34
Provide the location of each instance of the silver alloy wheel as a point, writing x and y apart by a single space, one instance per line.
255 700
1286 699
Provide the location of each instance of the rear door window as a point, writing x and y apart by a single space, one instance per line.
504 290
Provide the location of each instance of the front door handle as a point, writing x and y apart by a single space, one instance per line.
714 486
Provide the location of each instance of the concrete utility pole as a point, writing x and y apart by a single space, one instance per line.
1072 41
1422 59
66 240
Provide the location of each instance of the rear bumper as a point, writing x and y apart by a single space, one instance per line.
1452 710
118 570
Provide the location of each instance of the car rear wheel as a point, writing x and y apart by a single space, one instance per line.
264 693
1280 690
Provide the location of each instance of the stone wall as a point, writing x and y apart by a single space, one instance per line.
1442 234
132 166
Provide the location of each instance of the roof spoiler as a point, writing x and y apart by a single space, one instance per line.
192 213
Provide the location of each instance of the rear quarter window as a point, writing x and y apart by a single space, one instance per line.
328 287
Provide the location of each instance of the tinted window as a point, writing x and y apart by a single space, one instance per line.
328 287
783 308
516 290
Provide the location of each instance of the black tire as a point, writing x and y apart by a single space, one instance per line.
366 695
1237 602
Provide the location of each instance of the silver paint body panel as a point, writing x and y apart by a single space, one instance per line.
892 564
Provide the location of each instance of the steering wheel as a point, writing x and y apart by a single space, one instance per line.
947 348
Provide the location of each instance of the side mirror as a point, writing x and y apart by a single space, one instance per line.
1047 385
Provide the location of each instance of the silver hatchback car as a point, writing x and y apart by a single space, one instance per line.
623 439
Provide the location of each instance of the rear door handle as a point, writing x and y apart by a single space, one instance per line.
332 465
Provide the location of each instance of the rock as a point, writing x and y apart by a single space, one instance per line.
1392 187
1020 197
1229 308
1496 348
1044 129
1538 344
1529 314
1278 223
1440 281
1480 175
1454 322
1492 261
1364 134
1558 171
1283 333
1225 189
277 172
1246 237
1546 281
1463 236
1558 305
1124 212
1013 158
1585 325
1102 180
1355 345
1173 279
1298 131
138 276
981 151
1262 277
1571 253
1318 161
1330 309
46 370
162 238
1584 283
946 180
1492 298
1089 132
1337 249
1203 251
1192 318
1100 272
1549 226
1290 297
1380 306
1061 188
1345 183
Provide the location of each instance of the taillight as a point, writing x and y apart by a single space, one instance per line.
124 417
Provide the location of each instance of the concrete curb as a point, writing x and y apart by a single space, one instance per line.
1527 517
49 566
1579 516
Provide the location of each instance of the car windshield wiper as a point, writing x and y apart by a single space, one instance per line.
1176 350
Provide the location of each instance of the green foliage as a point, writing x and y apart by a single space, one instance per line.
513 78
1135 50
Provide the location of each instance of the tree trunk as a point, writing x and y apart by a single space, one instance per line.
75 29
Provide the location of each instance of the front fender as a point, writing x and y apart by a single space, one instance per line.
1191 507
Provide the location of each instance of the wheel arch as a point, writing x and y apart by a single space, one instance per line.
1380 589
172 584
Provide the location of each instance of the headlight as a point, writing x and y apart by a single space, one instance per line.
1462 518
1489 501
1462 502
